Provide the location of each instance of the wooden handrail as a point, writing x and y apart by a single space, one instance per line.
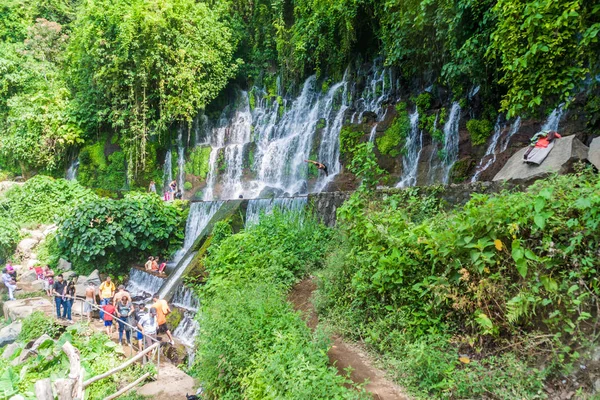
128 387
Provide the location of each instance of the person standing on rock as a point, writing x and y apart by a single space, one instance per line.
124 311
120 294
69 299
58 290
90 298
48 280
162 310
107 292
10 283
148 325
108 311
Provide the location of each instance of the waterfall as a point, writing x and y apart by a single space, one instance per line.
185 298
186 330
376 93
200 215
257 207
167 171
142 283
71 174
180 161
412 152
450 155
553 119
497 145
514 129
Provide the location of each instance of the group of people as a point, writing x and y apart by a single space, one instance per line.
172 192
119 306
153 265
64 297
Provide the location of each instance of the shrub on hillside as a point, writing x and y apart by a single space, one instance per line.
108 234
252 345
44 200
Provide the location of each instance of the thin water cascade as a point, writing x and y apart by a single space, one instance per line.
413 148
71 174
143 284
180 161
450 155
167 170
187 329
185 298
498 144
432 165
553 119
198 218
258 207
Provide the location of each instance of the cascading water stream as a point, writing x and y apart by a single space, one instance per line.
187 329
412 152
199 216
143 284
167 170
185 298
553 119
258 207
514 129
180 161
71 174
450 155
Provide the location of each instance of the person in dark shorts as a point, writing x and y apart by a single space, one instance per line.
319 165
140 311
162 310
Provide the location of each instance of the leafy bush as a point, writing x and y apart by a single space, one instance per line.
479 130
111 233
281 248
390 142
44 200
364 165
187 186
37 324
9 236
252 345
499 268
350 138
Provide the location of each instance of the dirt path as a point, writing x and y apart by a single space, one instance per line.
344 355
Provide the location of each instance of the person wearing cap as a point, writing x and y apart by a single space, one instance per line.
10 283
148 324
120 294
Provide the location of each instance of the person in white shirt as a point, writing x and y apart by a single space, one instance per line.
148 324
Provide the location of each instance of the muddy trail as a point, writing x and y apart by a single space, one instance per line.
344 355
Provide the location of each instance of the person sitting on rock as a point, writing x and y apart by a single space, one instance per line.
10 283
148 264
319 165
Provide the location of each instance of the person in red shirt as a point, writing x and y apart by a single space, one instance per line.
109 311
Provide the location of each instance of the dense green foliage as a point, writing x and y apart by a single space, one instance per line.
198 162
394 136
251 344
501 267
109 234
44 200
98 355
480 130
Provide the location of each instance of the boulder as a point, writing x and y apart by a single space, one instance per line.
68 275
37 285
26 245
10 350
9 333
19 309
28 276
269 191
594 153
50 229
32 263
93 277
64 265
565 153
30 351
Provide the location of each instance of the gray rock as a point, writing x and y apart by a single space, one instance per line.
37 285
10 350
19 309
597 385
28 352
68 275
26 245
94 278
594 153
64 265
270 192
9 333
566 151
32 263
28 276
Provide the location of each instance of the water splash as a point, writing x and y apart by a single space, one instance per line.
412 152
258 207
185 298
187 329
